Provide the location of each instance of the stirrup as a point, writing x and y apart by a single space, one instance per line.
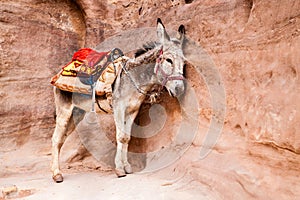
91 116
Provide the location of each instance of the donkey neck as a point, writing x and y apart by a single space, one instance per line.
140 78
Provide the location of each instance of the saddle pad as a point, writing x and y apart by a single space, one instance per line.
72 84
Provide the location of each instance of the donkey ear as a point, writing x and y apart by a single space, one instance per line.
161 32
181 33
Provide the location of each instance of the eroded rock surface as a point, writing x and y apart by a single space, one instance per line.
255 45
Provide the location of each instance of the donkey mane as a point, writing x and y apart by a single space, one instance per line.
146 47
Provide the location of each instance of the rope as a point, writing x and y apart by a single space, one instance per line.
132 81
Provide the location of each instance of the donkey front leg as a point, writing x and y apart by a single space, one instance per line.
124 119
126 108
121 161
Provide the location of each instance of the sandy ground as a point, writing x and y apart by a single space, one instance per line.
97 185
228 172
224 174
25 174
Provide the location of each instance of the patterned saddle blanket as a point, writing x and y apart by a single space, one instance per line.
86 68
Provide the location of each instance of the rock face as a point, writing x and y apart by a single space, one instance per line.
36 38
254 44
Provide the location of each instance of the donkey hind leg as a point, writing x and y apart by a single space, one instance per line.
64 126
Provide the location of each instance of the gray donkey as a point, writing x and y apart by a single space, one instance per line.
157 65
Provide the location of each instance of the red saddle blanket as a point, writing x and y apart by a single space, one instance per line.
85 63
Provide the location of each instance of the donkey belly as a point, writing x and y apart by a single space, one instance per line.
84 102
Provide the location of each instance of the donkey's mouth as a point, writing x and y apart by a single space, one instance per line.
175 93
171 93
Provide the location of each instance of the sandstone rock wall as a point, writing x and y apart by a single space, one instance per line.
36 37
254 44
256 50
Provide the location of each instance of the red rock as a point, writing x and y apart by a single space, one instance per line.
255 46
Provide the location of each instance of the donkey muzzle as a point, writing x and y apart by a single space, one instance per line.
175 87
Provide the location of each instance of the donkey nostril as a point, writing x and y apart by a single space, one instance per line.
169 60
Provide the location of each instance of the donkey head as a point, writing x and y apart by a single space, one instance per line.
170 63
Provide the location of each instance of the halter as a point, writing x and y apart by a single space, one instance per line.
166 77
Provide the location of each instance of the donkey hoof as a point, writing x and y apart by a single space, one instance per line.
128 169
58 178
120 173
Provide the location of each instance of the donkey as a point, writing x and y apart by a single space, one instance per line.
157 65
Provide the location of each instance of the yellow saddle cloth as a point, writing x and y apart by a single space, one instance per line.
84 63
72 83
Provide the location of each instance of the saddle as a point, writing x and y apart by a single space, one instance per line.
88 64
85 69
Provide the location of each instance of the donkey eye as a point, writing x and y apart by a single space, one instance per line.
169 60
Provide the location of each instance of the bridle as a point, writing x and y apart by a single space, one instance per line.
158 68
166 77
